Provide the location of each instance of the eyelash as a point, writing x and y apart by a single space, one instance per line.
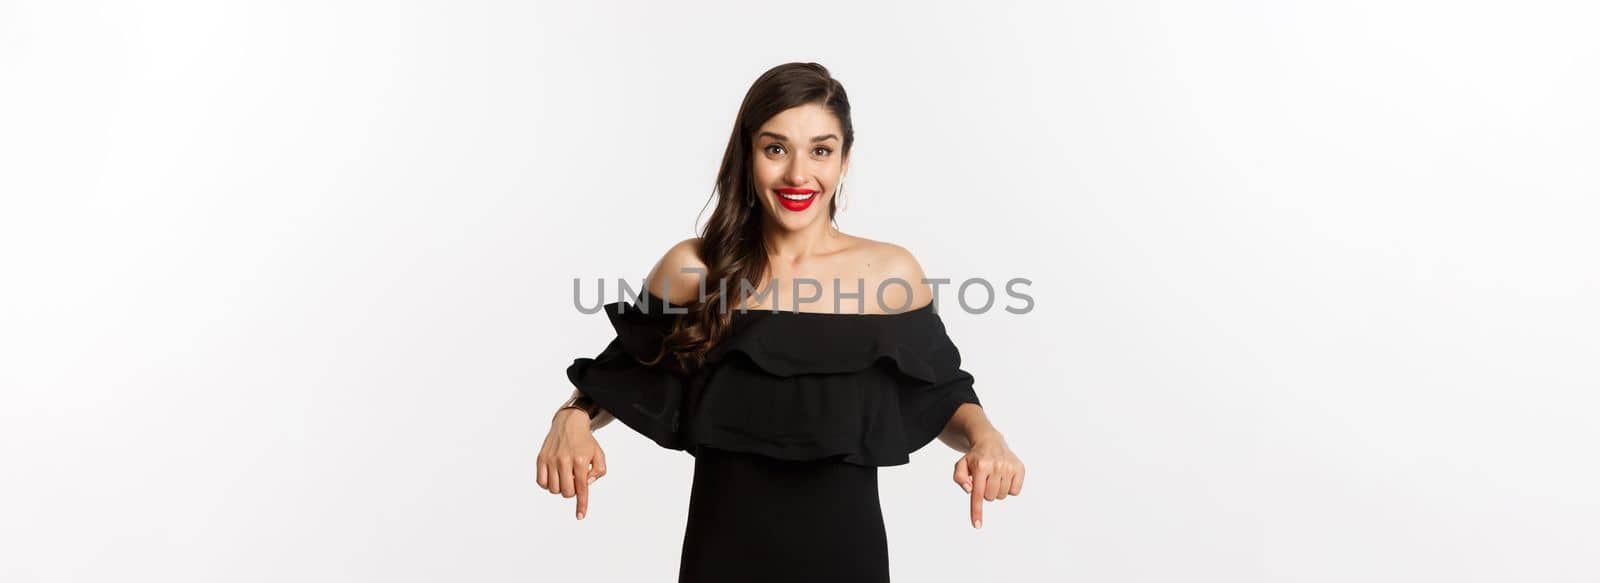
824 148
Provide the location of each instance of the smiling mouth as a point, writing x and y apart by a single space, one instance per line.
796 199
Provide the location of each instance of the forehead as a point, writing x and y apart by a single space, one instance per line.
802 122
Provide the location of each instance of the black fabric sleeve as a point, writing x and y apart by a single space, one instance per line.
928 410
647 398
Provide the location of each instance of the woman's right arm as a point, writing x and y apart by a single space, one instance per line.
570 458
601 419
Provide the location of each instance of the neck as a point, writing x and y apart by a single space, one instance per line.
792 246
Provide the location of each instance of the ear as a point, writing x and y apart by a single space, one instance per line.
844 165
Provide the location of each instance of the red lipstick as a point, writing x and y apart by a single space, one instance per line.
797 199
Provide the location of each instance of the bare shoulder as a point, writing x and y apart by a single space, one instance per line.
676 276
899 275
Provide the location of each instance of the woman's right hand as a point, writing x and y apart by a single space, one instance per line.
571 459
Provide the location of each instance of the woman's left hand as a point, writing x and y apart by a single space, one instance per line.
989 471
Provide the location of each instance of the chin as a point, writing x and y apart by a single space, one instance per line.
792 221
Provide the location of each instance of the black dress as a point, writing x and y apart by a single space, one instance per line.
788 421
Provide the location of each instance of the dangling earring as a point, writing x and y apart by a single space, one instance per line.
839 195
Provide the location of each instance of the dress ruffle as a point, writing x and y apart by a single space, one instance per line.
647 398
870 388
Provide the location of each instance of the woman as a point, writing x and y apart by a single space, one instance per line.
787 406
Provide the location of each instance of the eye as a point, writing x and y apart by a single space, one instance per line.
769 148
825 150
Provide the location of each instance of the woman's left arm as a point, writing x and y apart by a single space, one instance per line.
990 470
967 426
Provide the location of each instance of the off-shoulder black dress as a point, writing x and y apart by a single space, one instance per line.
788 421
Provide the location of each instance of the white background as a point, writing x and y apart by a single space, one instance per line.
287 285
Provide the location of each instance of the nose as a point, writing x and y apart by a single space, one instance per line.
797 171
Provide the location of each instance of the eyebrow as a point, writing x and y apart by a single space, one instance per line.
783 138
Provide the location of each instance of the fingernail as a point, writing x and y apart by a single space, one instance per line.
967 488
591 479
580 516
977 524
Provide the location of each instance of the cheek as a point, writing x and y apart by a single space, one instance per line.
829 178
764 172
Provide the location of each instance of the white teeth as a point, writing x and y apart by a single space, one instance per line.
797 196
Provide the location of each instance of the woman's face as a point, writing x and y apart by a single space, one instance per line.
797 165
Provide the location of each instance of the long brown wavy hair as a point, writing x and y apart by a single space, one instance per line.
731 244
